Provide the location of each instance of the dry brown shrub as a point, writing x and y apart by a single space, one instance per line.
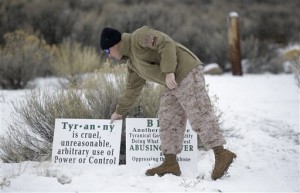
23 58
72 60
30 135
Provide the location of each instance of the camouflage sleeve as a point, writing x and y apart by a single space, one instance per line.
134 86
156 40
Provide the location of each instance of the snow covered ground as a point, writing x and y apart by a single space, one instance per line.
261 119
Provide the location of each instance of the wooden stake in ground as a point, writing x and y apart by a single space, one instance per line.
234 43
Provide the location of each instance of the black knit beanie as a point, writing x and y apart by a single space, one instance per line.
109 37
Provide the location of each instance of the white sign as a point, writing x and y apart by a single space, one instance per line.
143 145
86 142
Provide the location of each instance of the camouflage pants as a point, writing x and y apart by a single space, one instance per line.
188 101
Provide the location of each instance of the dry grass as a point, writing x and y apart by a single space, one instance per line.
72 59
23 58
293 56
198 24
30 135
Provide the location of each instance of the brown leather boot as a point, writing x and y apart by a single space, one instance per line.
169 166
223 159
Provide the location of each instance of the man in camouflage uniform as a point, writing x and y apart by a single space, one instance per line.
154 56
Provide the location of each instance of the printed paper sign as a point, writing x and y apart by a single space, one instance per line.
86 142
143 145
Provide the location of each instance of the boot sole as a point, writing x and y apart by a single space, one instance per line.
227 166
175 174
162 174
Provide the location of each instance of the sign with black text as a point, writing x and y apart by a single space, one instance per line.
86 142
143 145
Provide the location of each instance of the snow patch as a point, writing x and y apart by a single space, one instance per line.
260 124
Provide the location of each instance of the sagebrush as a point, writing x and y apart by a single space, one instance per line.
30 136
23 58
72 59
200 25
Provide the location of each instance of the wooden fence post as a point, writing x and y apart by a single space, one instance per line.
234 43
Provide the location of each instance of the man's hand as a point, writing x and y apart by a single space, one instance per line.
114 117
170 81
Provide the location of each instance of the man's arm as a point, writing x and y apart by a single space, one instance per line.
133 89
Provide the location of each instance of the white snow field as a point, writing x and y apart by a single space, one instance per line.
261 119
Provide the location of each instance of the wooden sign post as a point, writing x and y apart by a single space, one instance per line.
234 43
